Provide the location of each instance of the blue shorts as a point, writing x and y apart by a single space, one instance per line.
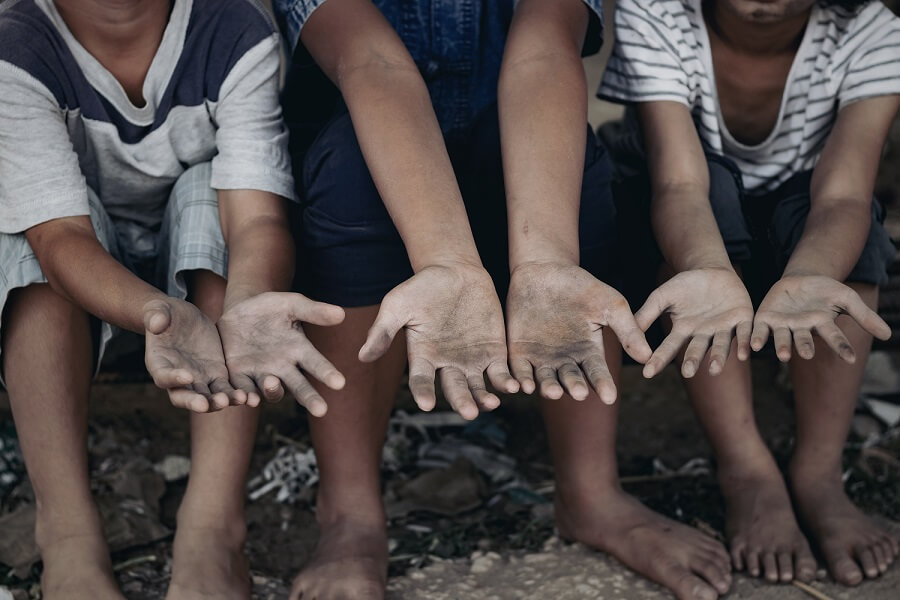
350 253
760 232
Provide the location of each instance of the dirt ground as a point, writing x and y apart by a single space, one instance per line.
469 506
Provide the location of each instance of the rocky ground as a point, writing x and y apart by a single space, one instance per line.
469 505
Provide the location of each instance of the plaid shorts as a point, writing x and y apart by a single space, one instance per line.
188 239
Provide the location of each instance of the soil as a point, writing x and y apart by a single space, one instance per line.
502 546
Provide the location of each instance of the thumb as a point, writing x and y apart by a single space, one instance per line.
157 316
630 335
381 335
653 307
317 313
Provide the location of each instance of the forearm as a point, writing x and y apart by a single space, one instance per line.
686 229
407 158
261 259
81 270
832 241
543 117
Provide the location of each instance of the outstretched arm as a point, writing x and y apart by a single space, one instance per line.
183 353
706 300
810 294
557 311
449 308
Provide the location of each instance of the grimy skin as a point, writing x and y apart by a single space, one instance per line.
204 366
823 327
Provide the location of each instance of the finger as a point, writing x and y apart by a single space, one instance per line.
760 335
157 317
630 335
483 398
573 381
719 351
655 305
456 390
524 374
317 313
271 387
188 399
314 363
216 401
694 355
248 386
867 318
222 389
832 335
304 393
381 335
782 339
165 376
601 379
500 377
803 341
548 383
421 383
665 353
742 333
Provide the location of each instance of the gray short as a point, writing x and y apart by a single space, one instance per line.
189 238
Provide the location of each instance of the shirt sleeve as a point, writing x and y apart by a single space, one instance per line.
645 65
251 137
593 40
40 177
292 16
870 55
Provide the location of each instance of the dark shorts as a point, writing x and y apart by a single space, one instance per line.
760 232
349 252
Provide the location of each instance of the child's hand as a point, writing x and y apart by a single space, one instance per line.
454 324
707 306
556 315
184 356
799 305
267 352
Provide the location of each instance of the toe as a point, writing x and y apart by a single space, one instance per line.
785 565
880 558
691 587
867 560
770 567
805 563
737 555
711 570
844 569
752 557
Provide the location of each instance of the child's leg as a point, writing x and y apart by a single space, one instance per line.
762 531
350 559
825 391
47 352
208 552
592 508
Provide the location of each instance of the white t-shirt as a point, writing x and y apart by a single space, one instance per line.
66 124
662 52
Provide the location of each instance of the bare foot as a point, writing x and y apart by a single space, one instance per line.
208 563
850 542
349 563
761 528
78 568
691 564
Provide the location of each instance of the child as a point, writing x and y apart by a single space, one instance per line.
143 142
392 234
790 101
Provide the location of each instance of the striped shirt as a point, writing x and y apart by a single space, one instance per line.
66 124
662 53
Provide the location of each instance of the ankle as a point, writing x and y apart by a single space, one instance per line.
363 505
814 477
229 528
52 528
